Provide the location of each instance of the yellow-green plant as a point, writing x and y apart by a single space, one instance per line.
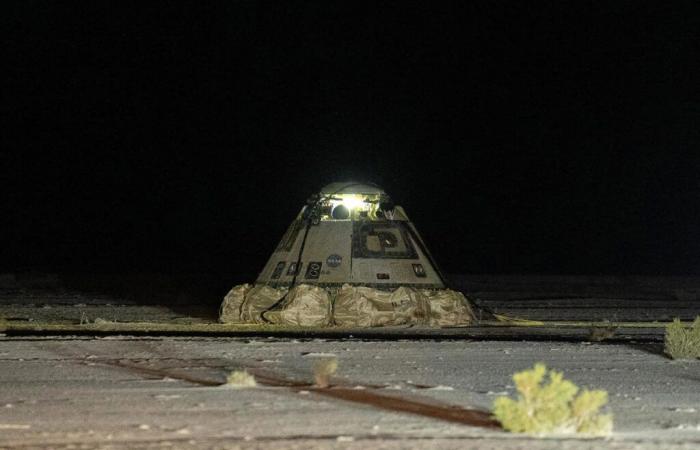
240 379
599 334
681 341
552 407
324 369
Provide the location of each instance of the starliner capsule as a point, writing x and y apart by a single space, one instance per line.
350 257
351 233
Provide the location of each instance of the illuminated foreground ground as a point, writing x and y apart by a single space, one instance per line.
121 392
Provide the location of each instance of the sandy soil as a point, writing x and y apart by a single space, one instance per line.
121 392
154 392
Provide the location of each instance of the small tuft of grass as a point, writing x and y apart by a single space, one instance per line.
552 407
324 369
599 334
239 379
682 341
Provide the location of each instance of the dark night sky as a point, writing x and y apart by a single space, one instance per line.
521 137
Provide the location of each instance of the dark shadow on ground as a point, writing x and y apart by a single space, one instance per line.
188 295
198 296
653 348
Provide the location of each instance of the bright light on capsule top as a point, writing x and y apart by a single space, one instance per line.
351 233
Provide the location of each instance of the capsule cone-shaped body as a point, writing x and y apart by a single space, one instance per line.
351 233
351 258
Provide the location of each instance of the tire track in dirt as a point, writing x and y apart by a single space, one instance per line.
348 391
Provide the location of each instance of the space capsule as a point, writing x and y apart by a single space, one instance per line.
350 258
352 233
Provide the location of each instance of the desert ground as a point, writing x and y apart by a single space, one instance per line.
106 389
125 392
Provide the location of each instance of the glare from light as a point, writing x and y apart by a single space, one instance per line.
353 202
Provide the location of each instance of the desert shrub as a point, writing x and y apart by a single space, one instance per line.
602 333
681 341
323 370
552 407
240 379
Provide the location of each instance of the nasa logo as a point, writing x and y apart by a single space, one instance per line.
334 260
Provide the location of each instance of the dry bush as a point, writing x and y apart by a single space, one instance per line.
681 341
552 407
602 333
240 379
323 370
